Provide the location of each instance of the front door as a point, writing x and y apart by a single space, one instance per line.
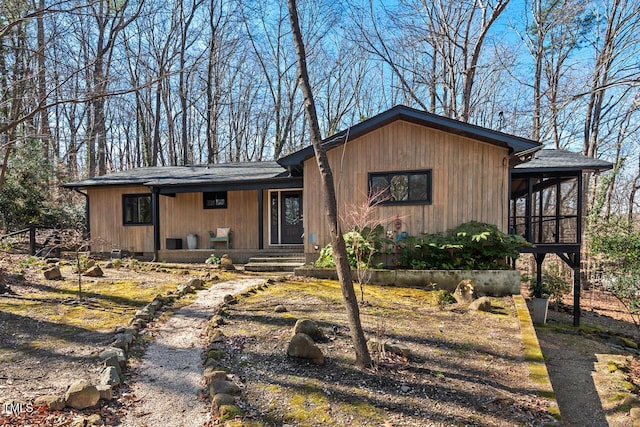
291 226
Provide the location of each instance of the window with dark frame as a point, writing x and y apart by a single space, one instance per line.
214 200
402 187
136 209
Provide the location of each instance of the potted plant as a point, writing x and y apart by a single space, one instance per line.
540 293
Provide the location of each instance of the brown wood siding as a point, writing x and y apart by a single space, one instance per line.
469 179
179 216
184 214
107 230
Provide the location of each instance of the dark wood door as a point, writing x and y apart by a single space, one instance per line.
291 224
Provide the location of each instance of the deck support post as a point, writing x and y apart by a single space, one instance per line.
576 289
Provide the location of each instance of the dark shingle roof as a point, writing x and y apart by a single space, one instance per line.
550 160
515 144
165 176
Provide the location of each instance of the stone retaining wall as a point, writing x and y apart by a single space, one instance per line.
496 283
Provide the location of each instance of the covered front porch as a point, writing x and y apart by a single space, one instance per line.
243 214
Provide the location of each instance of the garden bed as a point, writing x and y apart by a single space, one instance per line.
488 282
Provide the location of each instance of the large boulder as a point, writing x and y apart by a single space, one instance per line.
81 395
302 346
464 293
309 327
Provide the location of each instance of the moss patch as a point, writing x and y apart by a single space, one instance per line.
533 355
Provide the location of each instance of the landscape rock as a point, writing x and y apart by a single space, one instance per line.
145 314
221 399
230 299
389 346
120 341
212 374
280 309
224 386
302 346
226 263
81 395
309 327
229 412
185 289
631 400
216 336
94 420
195 283
218 320
52 273
113 361
138 323
118 353
635 413
109 376
94 271
464 293
125 337
51 401
106 391
481 304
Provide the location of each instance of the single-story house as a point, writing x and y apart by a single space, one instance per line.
435 173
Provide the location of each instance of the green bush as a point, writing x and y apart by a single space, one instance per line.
362 247
470 246
213 259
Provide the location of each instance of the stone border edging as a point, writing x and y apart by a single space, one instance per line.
223 390
534 358
113 359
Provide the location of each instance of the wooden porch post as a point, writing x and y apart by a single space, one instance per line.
155 220
260 219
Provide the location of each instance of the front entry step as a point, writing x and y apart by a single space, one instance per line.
274 264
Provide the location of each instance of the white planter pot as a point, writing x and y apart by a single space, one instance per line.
192 241
540 307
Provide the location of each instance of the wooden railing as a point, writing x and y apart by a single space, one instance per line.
50 245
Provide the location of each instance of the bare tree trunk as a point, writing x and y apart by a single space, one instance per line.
363 359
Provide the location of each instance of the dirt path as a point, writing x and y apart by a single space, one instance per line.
169 379
577 367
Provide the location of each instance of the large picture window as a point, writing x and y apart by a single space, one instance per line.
136 209
405 187
214 200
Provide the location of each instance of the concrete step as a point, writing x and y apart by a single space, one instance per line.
274 264
276 259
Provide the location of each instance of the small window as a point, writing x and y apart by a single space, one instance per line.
136 209
411 187
214 200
